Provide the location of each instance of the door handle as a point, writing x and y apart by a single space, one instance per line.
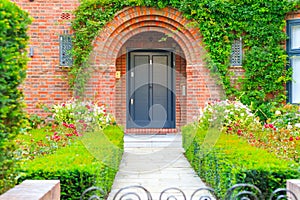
131 101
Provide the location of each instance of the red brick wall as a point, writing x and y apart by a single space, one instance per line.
46 81
293 15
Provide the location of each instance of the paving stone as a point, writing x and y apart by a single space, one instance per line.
155 162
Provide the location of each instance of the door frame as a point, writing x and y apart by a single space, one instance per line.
173 80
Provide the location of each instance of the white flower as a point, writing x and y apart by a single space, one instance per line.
242 114
289 126
277 112
297 125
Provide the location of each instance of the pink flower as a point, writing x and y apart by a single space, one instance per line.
65 124
297 138
63 105
69 134
271 125
229 129
72 126
239 132
266 125
56 137
291 138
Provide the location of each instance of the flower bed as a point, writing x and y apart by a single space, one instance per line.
80 145
67 122
231 160
280 134
78 166
228 145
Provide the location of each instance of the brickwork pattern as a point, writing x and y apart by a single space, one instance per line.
46 81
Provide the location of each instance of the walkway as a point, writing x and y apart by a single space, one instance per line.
155 162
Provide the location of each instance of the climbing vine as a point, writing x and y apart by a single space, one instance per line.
260 23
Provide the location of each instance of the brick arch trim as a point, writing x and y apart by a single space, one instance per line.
134 20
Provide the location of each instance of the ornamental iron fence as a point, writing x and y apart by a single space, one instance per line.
237 192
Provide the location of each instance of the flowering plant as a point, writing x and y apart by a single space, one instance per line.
82 113
287 117
229 116
70 120
232 117
74 117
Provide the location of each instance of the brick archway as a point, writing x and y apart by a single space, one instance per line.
131 21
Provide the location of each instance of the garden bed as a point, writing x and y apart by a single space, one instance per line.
232 160
90 160
229 144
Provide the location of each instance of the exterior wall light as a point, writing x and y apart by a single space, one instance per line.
31 52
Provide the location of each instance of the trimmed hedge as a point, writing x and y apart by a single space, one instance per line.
13 40
232 160
77 166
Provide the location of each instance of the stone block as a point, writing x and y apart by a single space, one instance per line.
294 186
34 190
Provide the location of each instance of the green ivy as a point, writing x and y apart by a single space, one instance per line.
260 23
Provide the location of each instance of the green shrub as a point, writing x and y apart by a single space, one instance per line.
232 160
80 165
13 41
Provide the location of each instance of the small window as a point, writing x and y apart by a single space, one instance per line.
236 53
65 47
293 50
295 41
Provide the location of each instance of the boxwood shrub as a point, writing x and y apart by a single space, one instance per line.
77 166
13 58
223 160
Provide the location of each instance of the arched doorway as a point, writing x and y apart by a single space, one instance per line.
151 37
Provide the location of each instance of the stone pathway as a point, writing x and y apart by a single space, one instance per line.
155 162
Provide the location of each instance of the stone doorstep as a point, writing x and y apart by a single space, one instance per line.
294 186
34 190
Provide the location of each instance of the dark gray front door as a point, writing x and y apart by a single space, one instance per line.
150 90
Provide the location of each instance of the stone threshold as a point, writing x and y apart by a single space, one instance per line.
156 131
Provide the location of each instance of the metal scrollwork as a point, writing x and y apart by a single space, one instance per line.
92 191
283 193
135 192
244 192
204 194
237 192
172 194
